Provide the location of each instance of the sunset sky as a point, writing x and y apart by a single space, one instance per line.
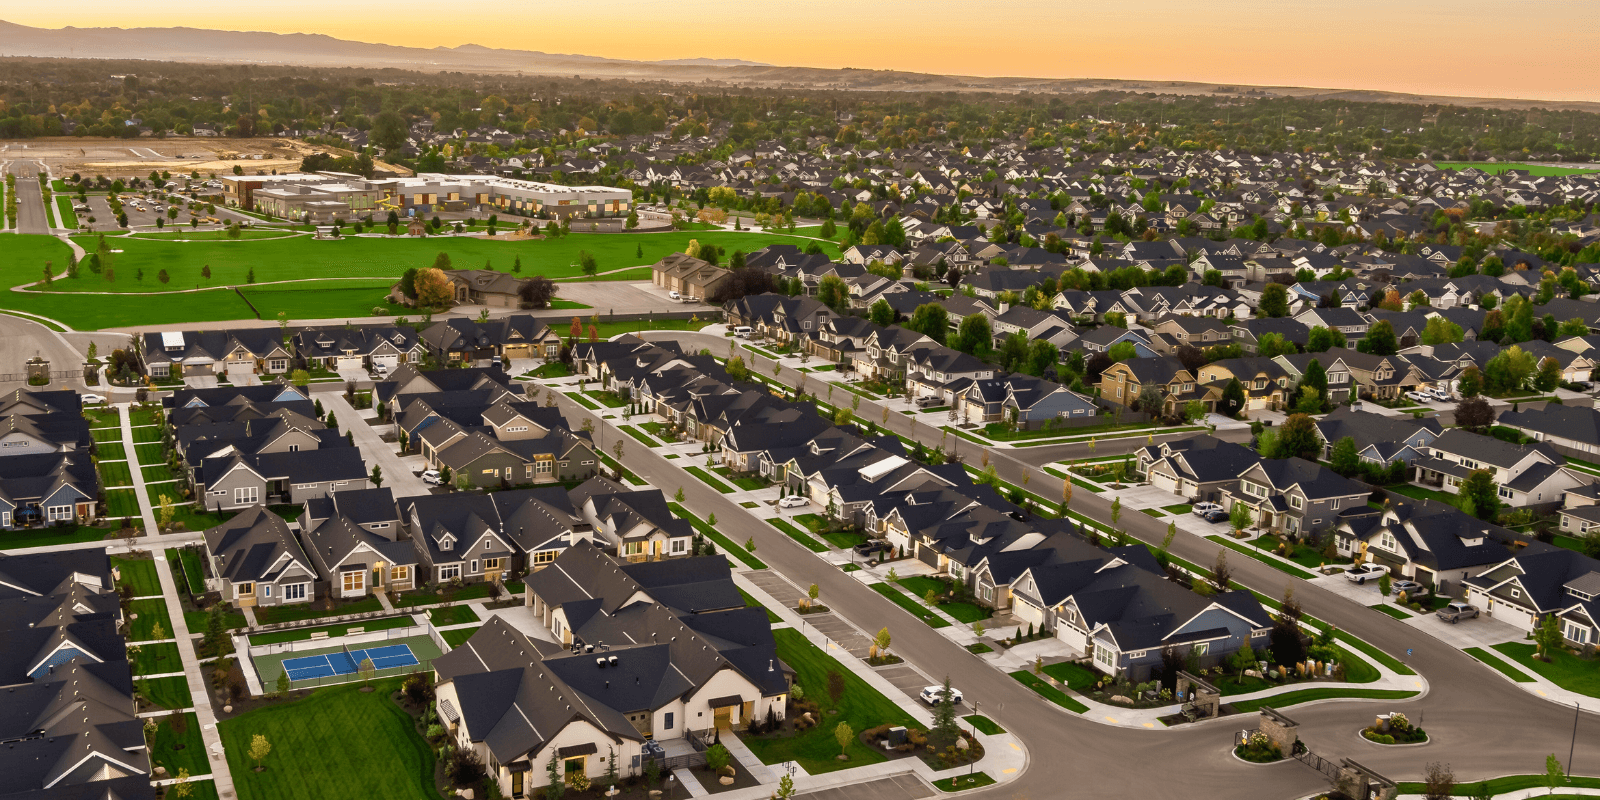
1509 48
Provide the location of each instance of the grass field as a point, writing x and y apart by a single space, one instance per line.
151 612
1049 692
154 659
796 534
325 745
23 257
861 706
138 573
1496 169
452 615
1495 663
1505 785
177 751
984 725
170 692
456 637
962 612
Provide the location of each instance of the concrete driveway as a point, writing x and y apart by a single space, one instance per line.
396 474
1480 632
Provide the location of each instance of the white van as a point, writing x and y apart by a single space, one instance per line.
742 331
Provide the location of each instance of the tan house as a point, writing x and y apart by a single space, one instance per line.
687 275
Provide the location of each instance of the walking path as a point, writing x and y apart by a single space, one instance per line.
195 678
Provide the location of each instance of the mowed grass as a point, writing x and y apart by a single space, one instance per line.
326 745
151 612
170 692
1497 168
1564 669
861 706
138 573
325 300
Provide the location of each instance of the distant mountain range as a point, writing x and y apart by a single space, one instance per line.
313 49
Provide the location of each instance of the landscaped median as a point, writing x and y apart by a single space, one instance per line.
1319 693
915 608
707 479
711 533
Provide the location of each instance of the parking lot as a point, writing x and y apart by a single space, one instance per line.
908 680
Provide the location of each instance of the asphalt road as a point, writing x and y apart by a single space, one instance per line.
31 216
22 339
1480 723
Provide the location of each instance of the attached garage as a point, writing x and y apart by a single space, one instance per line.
1028 612
241 367
1073 637
349 363
523 350
196 370
391 361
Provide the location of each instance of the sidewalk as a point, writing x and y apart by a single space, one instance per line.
197 683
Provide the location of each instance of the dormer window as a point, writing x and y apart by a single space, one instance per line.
447 543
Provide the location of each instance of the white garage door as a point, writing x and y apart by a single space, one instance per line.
1031 614
1072 636
349 363
390 361
241 367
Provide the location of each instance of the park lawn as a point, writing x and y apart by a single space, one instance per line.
915 608
325 300
122 503
1320 693
151 611
861 707
1564 669
69 218
1049 692
607 330
171 692
110 451
984 725
341 629
705 477
456 637
1495 168
139 574
1077 677
452 615
326 745
46 537
751 602
158 473
271 615
180 751
737 551
154 659
189 561
1495 663
796 534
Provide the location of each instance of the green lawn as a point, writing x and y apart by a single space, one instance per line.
1564 669
45 537
861 706
452 615
660 430
1377 655
707 479
189 561
554 369
1505 785
1049 692
151 612
961 783
341 629
197 620
472 591
175 751
269 615
1181 508
325 745
844 540
1077 677
1498 665
584 401
154 659
160 473
915 608
138 573
984 725
106 434
745 481
969 613
1251 552
1499 167
110 451
170 692
351 299
1392 610
639 435
69 218
737 551
1419 493
122 503
796 534
455 637
1308 695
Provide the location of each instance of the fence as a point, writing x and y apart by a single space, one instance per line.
353 639
318 622
55 374
438 638
1316 762
267 660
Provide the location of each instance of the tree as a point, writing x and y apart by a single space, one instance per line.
1316 378
588 263
377 476
975 335
1549 376
554 785
1380 340
835 686
786 783
1321 339
1573 327
367 670
1480 495
536 292
1441 331
882 314
717 757
930 320
1274 301
1122 351
882 641
283 683
433 289
1547 636
1469 383
833 293
1273 344
260 748
1553 774
1345 459
1439 780
944 730
1221 575
1232 398
1298 437
389 130
844 736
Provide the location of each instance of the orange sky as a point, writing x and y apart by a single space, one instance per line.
1508 48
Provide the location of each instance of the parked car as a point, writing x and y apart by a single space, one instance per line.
1420 397
1412 589
1455 612
867 548
674 295
381 370
793 501
929 401
934 695
431 476
1440 394
1202 509
1361 573
742 331
1215 515
90 399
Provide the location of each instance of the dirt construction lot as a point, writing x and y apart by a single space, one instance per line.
128 157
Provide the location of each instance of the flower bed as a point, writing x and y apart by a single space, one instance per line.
1399 730
1258 749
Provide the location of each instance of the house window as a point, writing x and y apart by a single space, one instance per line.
544 556
294 591
247 590
449 572
679 545
1516 594
1296 502
527 471
666 721
1386 541
492 563
244 494
544 466
60 512
1201 648
354 581
266 590
1505 492
1334 504
1137 654
278 364
1106 657
473 568
633 548
399 574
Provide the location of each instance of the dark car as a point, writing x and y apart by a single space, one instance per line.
1215 515
874 546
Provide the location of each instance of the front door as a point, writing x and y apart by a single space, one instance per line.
724 717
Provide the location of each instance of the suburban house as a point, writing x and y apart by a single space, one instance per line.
787 320
1379 439
1432 543
343 349
936 370
508 444
256 561
468 340
688 276
1266 383
241 351
1028 401
1527 475
1575 428
1294 495
1200 468
700 662
1538 581
353 538
1123 382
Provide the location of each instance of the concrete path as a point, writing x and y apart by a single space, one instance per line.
146 511
197 683
396 475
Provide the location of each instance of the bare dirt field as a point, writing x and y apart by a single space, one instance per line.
129 157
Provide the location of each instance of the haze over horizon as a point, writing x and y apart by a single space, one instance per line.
1428 47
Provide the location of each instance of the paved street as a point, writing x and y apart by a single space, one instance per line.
31 217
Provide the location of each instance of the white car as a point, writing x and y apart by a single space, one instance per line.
934 695
674 295
381 370
91 399
793 501
1201 509
432 476
1361 573
1420 397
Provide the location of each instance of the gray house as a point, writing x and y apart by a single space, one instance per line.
257 562
237 480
